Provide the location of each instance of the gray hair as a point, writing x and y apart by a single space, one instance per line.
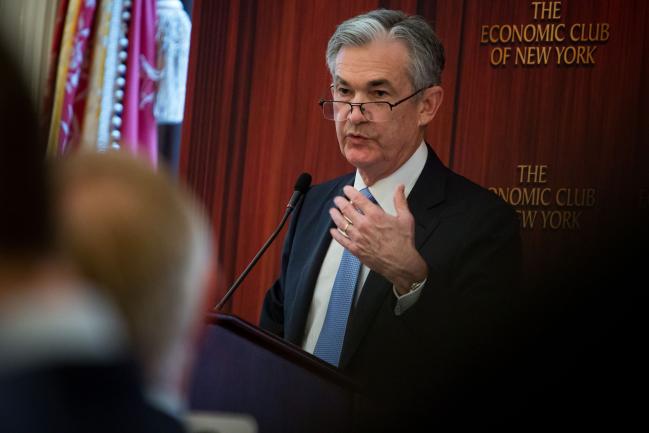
426 50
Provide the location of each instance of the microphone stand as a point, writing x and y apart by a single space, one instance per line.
238 281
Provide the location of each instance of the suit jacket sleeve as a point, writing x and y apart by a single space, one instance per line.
476 288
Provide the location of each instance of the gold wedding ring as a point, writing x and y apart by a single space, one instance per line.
344 231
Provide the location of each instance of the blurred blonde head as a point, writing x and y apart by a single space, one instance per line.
142 239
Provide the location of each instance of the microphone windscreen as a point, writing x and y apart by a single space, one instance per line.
303 182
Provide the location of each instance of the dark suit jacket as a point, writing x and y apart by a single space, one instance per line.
75 397
470 240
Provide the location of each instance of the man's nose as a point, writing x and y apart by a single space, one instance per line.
356 115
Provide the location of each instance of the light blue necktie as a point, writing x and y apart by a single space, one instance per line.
332 335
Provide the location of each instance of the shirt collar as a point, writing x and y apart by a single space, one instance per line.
407 174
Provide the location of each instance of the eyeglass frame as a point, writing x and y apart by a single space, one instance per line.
360 104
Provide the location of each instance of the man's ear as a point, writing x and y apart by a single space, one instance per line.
429 104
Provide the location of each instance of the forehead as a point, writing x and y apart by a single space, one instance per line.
379 61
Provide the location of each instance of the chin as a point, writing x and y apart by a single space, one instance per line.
360 159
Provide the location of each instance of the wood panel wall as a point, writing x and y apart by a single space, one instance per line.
588 124
252 125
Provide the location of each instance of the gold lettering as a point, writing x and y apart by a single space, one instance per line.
546 10
576 197
580 55
499 56
545 201
572 32
562 55
520 55
570 220
590 32
550 221
532 55
590 197
522 33
517 34
508 30
521 168
605 34
561 192
590 60
557 11
561 220
532 173
536 5
557 37
517 196
527 218
500 192
484 34
581 58
531 196
544 32
527 36
493 39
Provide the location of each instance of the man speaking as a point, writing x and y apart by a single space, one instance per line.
393 273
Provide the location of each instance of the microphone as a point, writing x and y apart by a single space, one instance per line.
301 186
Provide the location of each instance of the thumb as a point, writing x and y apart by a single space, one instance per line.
400 201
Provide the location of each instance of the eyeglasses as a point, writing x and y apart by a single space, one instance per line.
378 111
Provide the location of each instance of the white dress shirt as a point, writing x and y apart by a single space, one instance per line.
383 191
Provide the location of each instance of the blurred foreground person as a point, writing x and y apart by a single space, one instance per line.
64 355
142 241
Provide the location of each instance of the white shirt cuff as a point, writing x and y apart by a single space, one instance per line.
406 301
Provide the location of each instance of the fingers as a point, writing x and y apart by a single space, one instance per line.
343 224
342 240
350 215
362 203
400 201
354 205
347 210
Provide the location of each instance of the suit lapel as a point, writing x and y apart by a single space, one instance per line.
295 326
428 192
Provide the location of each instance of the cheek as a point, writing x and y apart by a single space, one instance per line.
339 133
339 128
406 126
390 134
397 135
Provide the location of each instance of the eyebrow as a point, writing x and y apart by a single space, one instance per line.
380 82
373 83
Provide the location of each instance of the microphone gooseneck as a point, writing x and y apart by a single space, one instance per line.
301 186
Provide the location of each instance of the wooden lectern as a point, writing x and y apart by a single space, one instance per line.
243 369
